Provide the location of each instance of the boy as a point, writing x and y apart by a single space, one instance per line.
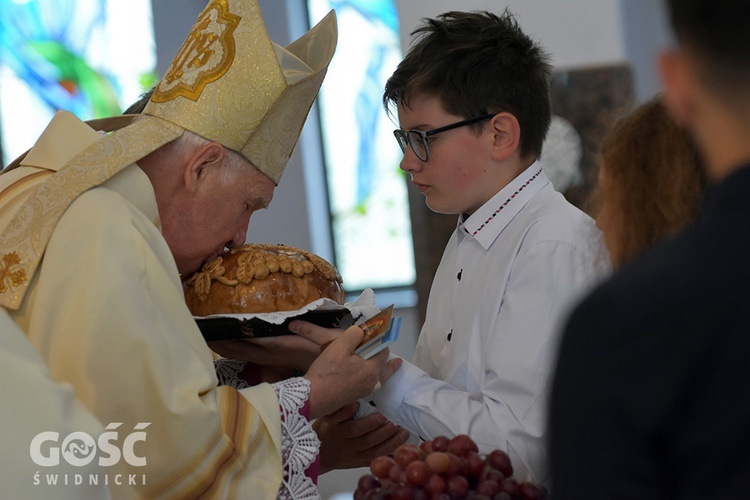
473 106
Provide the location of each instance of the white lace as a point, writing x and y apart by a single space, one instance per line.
299 442
227 371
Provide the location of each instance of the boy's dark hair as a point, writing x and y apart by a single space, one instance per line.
716 31
478 63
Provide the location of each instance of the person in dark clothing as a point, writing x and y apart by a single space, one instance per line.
651 394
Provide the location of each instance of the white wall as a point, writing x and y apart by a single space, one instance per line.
575 32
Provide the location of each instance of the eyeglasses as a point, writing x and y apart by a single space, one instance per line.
417 139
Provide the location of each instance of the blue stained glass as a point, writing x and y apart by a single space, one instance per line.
90 57
367 190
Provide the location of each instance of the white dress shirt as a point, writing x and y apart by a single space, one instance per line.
482 364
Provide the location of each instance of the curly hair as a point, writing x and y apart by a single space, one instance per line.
477 63
651 181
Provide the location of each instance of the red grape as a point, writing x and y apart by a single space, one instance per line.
457 486
438 461
493 474
531 491
444 469
381 466
417 473
510 486
368 482
386 482
377 494
435 485
426 447
456 465
461 445
500 460
488 487
407 453
420 494
475 464
397 475
402 492
440 443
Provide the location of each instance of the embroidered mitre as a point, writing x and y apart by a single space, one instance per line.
228 83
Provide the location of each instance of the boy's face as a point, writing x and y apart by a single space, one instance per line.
460 174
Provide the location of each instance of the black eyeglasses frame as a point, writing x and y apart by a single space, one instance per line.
403 136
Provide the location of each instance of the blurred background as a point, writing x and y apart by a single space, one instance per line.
343 195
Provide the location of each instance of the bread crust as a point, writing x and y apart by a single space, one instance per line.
261 278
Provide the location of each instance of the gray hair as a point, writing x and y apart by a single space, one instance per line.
232 164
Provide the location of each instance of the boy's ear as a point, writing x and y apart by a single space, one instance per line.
209 155
506 134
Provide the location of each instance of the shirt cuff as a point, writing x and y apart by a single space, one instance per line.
389 398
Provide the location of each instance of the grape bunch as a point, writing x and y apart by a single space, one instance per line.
444 469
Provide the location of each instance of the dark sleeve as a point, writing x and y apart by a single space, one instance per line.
599 432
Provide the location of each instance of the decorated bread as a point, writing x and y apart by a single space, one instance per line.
259 278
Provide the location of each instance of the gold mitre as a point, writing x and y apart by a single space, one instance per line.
231 84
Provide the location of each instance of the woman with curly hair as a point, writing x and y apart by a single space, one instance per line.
651 183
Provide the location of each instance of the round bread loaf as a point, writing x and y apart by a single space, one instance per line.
259 278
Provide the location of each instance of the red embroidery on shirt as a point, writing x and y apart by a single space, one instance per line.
507 201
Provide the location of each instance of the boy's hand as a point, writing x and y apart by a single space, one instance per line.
295 352
284 351
347 443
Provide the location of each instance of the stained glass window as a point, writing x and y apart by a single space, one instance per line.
367 191
91 57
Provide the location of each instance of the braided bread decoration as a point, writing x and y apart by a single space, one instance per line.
260 278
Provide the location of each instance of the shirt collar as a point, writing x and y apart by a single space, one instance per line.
487 223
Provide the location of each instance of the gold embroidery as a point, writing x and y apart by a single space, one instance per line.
8 276
21 183
18 187
205 56
27 234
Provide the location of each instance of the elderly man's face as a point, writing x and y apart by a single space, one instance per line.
216 215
